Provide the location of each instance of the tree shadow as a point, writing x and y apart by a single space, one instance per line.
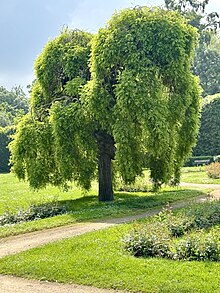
125 203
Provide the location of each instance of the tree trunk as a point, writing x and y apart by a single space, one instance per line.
105 178
106 154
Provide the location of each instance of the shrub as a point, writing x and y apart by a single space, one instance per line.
141 244
34 212
194 248
213 170
141 184
158 238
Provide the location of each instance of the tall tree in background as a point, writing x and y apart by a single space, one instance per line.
207 60
13 105
138 97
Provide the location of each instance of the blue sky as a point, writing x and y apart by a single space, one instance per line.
27 25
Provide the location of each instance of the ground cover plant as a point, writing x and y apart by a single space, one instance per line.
99 259
16 198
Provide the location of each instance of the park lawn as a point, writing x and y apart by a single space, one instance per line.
98 259
16 195
197 175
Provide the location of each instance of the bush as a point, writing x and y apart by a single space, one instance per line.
194 248
213 170
141 184
159 238
34 212
140 244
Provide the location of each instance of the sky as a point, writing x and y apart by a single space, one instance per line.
27 25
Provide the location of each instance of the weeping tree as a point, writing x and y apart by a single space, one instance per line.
124 94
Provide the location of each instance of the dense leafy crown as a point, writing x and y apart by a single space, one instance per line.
141 92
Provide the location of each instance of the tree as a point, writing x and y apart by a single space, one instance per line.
207 67
209 135
138 98
5 134
13 104
207 59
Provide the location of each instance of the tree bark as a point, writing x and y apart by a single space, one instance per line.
106 154
105 178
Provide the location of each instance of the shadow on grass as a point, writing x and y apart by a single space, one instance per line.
88 207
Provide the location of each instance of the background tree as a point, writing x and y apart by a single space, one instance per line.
209 135
207 59
141 98
13 105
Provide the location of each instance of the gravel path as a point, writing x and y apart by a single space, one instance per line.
15 244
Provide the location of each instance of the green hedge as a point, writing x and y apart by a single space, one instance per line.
199 161
5 134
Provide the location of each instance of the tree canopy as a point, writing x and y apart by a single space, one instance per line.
123 94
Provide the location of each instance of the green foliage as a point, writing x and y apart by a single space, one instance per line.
141 67
13 104
193 248
158 238
139 92
207 67
209 135
5 138
34 212
54 144
207 58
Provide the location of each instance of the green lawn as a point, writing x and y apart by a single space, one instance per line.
197 175
98 259
15 195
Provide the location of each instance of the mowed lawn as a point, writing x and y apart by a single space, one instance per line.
197 175
98 259
15 195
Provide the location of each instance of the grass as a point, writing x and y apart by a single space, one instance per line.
197 175
98 259
16 195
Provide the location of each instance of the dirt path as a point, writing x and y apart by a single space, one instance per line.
15 244
214 194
